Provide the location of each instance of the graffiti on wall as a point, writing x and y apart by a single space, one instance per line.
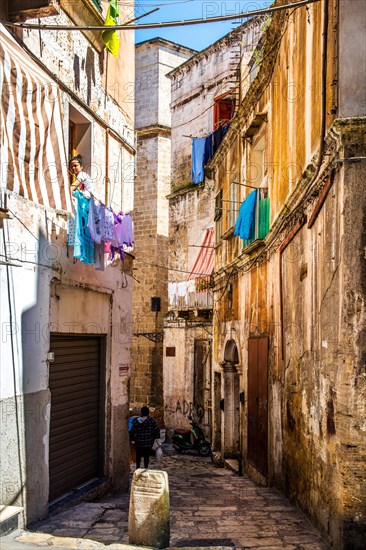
186 408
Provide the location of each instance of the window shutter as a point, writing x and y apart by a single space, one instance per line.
218 206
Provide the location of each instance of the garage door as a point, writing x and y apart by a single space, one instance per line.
75 452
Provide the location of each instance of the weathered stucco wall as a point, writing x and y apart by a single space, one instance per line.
179 376
352 59
72 58
191 213
43 291
196 84
304 289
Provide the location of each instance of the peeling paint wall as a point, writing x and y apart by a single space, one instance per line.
303 285
195 85
43 291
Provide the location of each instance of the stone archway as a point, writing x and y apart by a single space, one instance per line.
232 401
231 354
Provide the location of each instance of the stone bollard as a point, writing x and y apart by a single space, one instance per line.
149 514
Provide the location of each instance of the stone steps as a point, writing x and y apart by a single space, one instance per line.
9 519
232 464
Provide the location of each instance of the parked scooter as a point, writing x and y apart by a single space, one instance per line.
186 440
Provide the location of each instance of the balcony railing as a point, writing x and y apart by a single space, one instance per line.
193 294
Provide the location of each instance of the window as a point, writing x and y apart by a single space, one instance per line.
218 215
234 203
80 134
256 169
224 107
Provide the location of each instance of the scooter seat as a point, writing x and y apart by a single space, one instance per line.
181 431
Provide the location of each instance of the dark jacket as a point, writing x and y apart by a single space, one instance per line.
144 431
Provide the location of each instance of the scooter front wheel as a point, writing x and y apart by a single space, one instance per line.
178 449
204 449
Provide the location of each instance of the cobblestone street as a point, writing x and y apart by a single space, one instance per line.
211 507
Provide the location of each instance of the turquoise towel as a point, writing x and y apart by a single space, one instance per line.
245 221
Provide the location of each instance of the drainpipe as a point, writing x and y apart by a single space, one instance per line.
324 83
106 165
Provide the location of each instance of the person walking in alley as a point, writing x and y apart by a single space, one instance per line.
143 433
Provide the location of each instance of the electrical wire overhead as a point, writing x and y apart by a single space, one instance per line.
164 24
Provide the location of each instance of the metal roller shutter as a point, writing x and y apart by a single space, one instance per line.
75 431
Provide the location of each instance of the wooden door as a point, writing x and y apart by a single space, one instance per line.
258 403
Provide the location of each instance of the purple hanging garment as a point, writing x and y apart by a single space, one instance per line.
108 225
96 221
128 235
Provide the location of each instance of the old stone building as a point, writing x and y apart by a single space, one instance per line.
204 100
66 327
289 310
154 59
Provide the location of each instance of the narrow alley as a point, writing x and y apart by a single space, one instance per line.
211 507
182 262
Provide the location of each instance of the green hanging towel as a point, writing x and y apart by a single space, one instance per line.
263 218
111 38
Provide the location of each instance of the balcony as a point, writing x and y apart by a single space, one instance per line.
194 294
21 10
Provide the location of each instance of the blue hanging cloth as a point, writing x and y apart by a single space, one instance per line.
84 244
208 149
218 135
198 159
244 224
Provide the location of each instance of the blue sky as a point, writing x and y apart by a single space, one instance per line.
193 36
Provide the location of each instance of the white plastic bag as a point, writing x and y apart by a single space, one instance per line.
158 450
156 444
159 454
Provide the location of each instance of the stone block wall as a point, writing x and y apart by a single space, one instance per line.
154 59
191 213
196 84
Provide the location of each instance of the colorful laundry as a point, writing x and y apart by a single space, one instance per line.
203 149
83 244
127 230
198 159
71 223
95 231
244 224
85 182
96 221
108 225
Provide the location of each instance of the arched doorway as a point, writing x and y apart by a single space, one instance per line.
231 401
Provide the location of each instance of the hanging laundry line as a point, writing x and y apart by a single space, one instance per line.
95 230
203 149
129 213
250 186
